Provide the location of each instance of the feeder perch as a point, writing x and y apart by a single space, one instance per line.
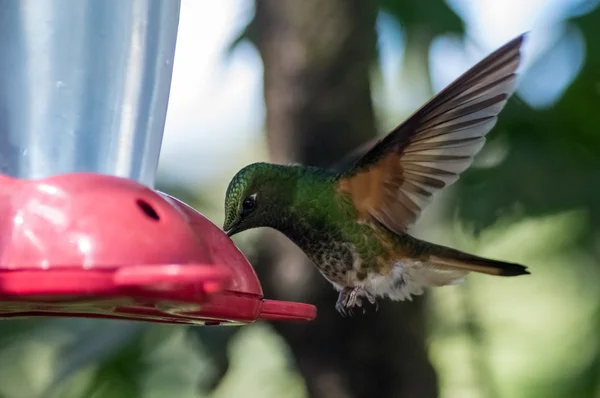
82 231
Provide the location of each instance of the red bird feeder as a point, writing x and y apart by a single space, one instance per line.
79 236
100 246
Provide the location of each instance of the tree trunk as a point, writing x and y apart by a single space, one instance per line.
317 56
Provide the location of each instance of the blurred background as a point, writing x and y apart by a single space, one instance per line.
306 81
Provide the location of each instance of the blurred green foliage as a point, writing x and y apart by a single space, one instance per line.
529 337
435 18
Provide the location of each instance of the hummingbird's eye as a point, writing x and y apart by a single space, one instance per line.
248 205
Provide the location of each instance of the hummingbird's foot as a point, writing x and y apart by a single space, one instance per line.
350 298
342 301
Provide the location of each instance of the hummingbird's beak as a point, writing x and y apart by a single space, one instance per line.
230 229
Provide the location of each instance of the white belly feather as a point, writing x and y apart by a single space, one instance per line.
409 279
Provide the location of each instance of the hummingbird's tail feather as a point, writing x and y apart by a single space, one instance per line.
454 259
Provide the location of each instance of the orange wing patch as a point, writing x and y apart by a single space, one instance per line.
375 192
367 188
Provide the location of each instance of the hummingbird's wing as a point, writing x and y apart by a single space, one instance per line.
397 177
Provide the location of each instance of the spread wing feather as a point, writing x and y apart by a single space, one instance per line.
396 178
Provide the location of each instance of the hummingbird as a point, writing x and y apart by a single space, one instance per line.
354 223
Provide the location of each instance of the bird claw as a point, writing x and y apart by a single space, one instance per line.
350 298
